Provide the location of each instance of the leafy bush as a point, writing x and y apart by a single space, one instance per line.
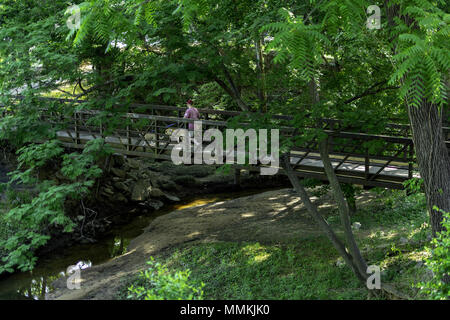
439 262
32 221
158 283
413 185
27 223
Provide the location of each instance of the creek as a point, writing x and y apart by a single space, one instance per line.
37 283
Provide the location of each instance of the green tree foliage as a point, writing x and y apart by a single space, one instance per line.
298 43
423 55
181 46
36 59
32 221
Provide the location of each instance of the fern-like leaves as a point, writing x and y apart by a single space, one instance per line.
297 43
423 60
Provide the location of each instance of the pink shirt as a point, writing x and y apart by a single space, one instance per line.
192 113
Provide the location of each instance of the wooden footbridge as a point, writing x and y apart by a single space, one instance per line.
385 160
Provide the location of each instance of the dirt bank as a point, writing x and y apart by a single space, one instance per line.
270 217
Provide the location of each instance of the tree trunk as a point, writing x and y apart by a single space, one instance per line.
312 210
433 159
352 256
261 87
343 207
429 143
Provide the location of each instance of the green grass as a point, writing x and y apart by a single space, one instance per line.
392 209
307 269
394 232
255 271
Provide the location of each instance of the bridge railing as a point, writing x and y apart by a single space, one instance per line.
367 158
390 129
150 135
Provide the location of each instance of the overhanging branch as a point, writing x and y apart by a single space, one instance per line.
370 91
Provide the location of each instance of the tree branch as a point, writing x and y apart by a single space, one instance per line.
369 91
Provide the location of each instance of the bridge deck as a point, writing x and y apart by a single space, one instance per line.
349 169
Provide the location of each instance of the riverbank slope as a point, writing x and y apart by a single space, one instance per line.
276 221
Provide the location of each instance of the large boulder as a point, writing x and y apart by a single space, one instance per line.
133 175
118 197
141 190
152 204
185 180
118 172
133 163
120 185
198 171
171 197
165 183
156 193
107 190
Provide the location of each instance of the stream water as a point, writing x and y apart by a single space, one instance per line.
35 284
